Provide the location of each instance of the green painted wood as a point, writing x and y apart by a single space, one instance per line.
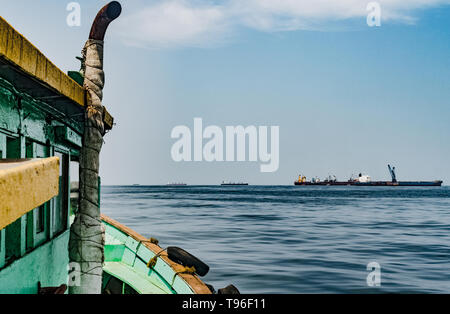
34 125
51 229
2 146
128 253
15 237
2 232
9 114
41 236
128 257
31 216
114 253
2 248
114 235
35 236
30 228
67 164
61 202
15 147
47 264
16 232
129 275
132 244
65 134
76 76
154 276
27 129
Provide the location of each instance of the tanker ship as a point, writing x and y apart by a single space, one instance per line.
365 180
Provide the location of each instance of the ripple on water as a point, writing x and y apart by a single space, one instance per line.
287 239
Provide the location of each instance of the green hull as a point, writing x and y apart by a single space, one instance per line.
125 270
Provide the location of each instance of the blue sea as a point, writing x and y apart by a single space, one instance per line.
298 239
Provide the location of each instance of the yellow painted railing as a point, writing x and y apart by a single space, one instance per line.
18 50
26 184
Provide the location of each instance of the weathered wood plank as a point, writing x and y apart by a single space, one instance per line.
24 185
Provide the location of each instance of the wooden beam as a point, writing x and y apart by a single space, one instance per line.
16 49
26 184
25 58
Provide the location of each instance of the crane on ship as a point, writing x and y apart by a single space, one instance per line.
392 172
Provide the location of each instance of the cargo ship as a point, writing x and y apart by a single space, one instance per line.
365 180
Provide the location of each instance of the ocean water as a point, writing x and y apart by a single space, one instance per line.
297 239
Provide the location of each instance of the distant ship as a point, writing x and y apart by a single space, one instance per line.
233 183
365 180
176 184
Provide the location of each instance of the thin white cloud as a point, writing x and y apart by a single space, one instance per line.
175 23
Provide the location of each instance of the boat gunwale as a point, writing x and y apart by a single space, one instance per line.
193 281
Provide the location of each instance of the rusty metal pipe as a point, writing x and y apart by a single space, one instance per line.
106 15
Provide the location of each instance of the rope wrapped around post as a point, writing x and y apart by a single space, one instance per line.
86 234
94 81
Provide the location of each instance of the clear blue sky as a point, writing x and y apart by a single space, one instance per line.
348 98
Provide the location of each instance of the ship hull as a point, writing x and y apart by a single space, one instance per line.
372 183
